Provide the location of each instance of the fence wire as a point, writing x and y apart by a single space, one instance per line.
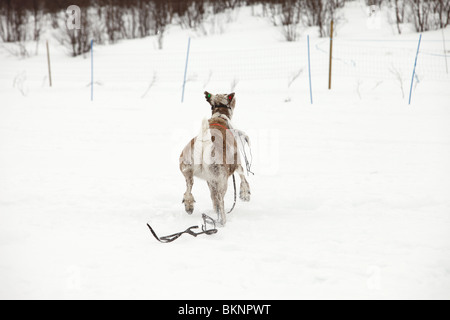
379 61
374 60
282 63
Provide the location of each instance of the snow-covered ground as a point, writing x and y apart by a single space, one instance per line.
351 196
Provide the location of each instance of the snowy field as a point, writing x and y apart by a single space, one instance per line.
350 198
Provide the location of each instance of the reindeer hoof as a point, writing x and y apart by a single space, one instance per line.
189 206
245 195
189 203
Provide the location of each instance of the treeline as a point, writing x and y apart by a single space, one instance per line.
105 21
425 14
292 15
108 21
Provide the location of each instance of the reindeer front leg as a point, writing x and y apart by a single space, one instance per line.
218 190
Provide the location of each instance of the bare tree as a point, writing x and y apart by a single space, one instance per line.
13 22
193 14
294 76
442 9
421 12
151 84
288 15
161 13
290 18
399 76
77 40
114 21
144 18
20 83
274 10
37 13
358 87
321 12
430 14
377 3
399 7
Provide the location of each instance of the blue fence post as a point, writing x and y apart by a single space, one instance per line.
309 68
92 70
414 70
185 69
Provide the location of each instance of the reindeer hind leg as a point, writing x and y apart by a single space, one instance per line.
244 193
188 198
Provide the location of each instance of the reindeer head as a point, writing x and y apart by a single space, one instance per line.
221 103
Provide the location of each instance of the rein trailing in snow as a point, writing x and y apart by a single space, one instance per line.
234 203
206 220
170 238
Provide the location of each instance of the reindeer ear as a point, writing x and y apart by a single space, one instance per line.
230 97
208 96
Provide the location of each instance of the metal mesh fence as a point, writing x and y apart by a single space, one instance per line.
282 63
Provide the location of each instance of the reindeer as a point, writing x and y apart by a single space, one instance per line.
213 156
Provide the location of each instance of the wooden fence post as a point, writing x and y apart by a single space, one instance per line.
309 69
331 55
49 66
445 51
92 70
